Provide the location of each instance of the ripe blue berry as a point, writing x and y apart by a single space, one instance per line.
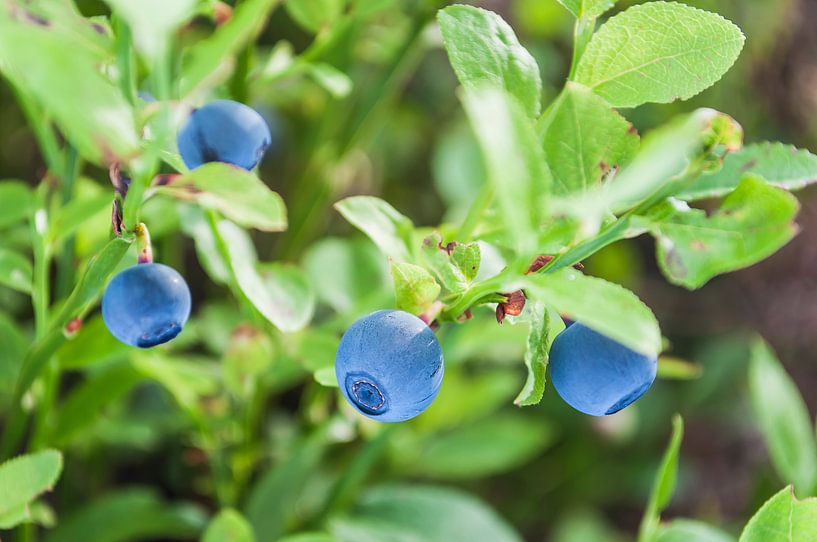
146 305
389 366
595 374
224 131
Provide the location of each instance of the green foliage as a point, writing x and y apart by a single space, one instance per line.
606 307
545 324
153 22
15 202
51 61
587 9
485 52
681 530
283 298
414 287
132 514
658 52
780 165
664 484
752 223
422 513
783 517
15 271
241 412
584 138
209 56
22 480
314 15
236 193
515 165
228 526
384 225
483 448
784 420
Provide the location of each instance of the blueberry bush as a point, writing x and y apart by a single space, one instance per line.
188 354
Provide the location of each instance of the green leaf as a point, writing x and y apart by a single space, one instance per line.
514 161
583 138
238 194
346 273
686 530
194 224
487 447
89 109
467 257
94 279
130 514
603 306
309 537
585 525
228 526
414 513
82 408
384 225
13 344
153 22
652 175
15 271
280 294
442 265
544 326
658 52
71 216
781 165
485 53
315 15
664 484
24 478
783 518
15 202
272 501
207 56
65 19
414 287
783 418
288 287
752 223
334 81
587 9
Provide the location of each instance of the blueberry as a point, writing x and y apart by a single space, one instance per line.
224 131
595 374
389 366
146 305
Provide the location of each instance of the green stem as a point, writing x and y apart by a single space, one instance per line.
65 263
582 32
471 296
144 248
612 233
41 287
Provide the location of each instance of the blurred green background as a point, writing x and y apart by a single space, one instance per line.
400 134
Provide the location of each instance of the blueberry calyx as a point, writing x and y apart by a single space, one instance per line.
159 336
366 393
